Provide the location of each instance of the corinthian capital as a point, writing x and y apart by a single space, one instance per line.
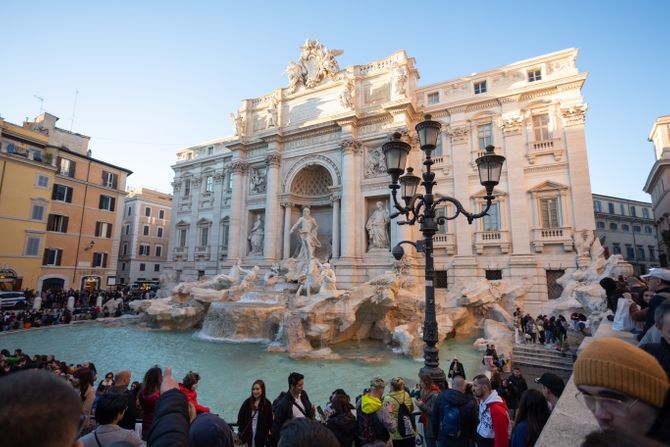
511 125
273 159
574 115
239 166
350 146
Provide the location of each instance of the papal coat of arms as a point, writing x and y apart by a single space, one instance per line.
316 63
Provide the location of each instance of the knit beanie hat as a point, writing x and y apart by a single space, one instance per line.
618 365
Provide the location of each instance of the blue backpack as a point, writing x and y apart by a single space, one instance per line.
451 421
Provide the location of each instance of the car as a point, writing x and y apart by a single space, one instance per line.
13 300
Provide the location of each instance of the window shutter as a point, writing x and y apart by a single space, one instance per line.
97 229
100 201
65 222
109 230
104 178
115 179
58 253
545 213
113 201
45 256
104 260
53 192
73 165
68 194
51 222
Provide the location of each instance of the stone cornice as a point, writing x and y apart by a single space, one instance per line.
546 168
483 105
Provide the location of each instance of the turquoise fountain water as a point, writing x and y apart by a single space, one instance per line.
227 369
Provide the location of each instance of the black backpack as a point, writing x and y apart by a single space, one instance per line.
369 429
406 424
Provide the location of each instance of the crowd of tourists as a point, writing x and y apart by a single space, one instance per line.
544 330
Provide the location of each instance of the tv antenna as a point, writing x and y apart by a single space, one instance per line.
41 100
74 109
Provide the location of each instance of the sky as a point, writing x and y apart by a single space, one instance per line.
156 76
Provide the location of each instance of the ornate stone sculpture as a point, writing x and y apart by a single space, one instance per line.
399 81
347 95
256 237
315 64
377 227
271 113
239 123
257 181
307 229
376 164
328 278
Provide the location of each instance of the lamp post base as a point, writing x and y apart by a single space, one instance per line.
437 374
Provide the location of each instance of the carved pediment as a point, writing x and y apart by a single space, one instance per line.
482 193
547 186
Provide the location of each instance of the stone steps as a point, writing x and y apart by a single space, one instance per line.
539 356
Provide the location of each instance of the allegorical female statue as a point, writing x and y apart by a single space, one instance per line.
377 227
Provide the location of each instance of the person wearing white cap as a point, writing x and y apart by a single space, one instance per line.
658 281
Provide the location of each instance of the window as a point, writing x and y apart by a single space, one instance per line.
484 136
645 213
42 181
106 203
648 229
637 229
434 98
480 87
597 206
157 267
130 210
633 211
440 279
640 252
491 222
616 248
625 227
652 252
143 267
37 212
534 75
123 267
493 275
125 249
62 193
187 187
549 212
56 222
610 208
145 230
201 273
103 229
52 256
622 209
100 259
147 211
161 214
144 249
229 180
224 233
127 227
159 232
66 167
159 250
630 254
183 232
541 127
210 150
204 236
209 183
32 246
614 226
600 225
109 179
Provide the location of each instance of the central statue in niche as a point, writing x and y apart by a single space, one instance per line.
307 230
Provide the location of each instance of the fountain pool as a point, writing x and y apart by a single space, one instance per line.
227 369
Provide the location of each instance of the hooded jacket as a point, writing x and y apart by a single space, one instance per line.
192 397
469 417
494 420
371 411
343 426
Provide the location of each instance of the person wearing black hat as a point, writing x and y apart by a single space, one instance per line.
552 388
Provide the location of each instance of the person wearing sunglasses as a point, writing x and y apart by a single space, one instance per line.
625 388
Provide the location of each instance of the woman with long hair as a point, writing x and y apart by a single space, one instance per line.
85 380
342 421
530 419
254 419
429 393
148 397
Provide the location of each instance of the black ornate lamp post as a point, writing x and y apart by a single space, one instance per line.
421 208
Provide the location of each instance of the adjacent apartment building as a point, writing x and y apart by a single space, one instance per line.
317 143
658 183
144 236
74 218
627 227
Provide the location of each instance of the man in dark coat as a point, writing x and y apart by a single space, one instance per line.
658 281
294 404
517 386
661 351
455 397
121 382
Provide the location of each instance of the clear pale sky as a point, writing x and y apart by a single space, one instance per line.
156 76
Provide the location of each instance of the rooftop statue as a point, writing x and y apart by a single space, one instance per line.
316 63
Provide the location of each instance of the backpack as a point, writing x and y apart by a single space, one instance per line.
406 424
451 421
369 429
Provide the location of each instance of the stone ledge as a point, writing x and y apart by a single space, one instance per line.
571 421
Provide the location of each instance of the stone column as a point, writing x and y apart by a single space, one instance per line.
335 197
460 137
580 186
287 227
348 209
272 235
239 169
514 150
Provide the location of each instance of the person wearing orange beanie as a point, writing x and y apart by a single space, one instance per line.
624 387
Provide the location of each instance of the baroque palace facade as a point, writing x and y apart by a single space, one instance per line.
317 143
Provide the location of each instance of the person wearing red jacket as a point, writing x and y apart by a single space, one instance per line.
493 427
188 388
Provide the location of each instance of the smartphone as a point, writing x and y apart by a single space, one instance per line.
320 410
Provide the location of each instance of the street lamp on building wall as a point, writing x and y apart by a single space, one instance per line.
421 208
